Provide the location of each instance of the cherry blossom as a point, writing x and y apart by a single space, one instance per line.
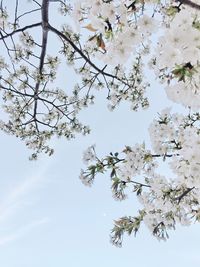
110 44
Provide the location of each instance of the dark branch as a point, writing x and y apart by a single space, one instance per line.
45 22
184 194
20 30
189 3
80 52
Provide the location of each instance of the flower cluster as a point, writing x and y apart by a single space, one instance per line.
177 58
118 27
165 201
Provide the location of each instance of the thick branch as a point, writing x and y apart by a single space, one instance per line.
189 3
45 22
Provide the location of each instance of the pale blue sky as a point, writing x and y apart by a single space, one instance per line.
49 219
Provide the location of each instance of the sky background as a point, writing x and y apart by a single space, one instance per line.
49 218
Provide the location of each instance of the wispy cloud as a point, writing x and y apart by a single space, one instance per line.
15 200
12 201
22 231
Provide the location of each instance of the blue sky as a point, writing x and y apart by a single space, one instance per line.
48 218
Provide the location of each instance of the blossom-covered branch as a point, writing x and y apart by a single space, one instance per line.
165 201
37 108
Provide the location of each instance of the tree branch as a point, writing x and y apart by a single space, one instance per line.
21 30
101 71
189 3
45 22
184 194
